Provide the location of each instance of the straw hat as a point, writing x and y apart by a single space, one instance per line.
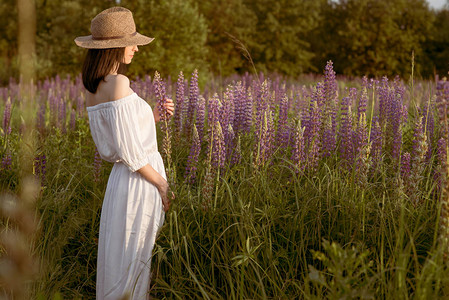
113 28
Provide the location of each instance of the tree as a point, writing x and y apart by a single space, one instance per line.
373 37
230 25
180 33
279 42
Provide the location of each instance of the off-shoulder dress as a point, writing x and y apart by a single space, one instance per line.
124 132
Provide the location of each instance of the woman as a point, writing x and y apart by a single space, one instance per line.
123 129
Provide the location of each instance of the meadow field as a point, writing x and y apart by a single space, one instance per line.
322 187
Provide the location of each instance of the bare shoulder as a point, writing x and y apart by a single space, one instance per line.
118 86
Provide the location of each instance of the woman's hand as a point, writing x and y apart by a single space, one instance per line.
165 192
159 182
169 108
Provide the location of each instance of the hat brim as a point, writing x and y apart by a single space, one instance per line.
89 43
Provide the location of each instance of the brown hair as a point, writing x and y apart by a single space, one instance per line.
99 63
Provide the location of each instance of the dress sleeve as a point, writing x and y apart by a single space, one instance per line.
126 136
119 135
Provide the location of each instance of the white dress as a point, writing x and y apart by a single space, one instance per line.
124 133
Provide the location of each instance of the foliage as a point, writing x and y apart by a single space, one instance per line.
366 37
374 38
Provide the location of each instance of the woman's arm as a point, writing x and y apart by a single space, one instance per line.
158 181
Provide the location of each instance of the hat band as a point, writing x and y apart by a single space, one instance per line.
114 37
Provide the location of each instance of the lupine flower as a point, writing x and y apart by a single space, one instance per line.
330 85
282 133
62 115
178 116
376 142
192 162
298 155
200 115
7 117
6 161
40 120
194 93
208 188
213 111
97 166
238 106
40 165
346 132
218 147
363 100
230 142
442 162
418 163
73 120
247 115
362 152
331 99
227 116
237 154
405 166
312 133
159 90
264 140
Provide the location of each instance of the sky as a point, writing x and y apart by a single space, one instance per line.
436 3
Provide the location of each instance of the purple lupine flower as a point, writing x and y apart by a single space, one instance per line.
62 115
200 115
192 162
73 120
194 93
419 142
376 142
159 91
384 100
237 153
213 111
218 154
80 105
247 114
346 131
227 116
238 107
242 108
298 154
282 132
330 85
405 166
230 142
264 139
97 166
313 136
328 141
331 99
262 104
418 163
363 100
6 161
178 116
40 120
40 165
362 153
7 117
